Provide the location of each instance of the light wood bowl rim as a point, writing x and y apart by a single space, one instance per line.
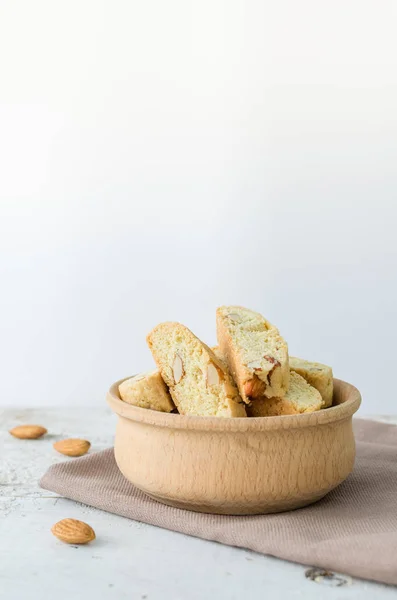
344 410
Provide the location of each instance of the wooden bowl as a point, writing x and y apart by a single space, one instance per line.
236 466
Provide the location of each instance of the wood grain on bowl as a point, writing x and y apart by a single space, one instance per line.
237 466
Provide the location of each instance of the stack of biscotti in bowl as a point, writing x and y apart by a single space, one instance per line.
249 373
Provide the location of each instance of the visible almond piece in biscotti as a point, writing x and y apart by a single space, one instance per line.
147 390
198 381
318 375
255 352
300 398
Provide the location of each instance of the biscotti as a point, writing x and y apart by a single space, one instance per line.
255 352
147 390
197 380
318 375
300 398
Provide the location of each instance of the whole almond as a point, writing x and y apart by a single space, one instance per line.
28 432
72 531
72 446
212 374
177 368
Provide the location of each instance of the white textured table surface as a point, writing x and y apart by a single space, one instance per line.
128 559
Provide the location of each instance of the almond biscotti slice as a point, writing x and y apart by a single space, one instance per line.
318 375
147 390
300 398
255 352
198 381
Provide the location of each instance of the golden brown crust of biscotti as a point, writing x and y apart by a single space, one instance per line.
300 398
198 381
147 390
318 375
255 352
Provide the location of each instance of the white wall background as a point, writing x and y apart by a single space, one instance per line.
158 159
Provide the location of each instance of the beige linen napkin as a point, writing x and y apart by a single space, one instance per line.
352 530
